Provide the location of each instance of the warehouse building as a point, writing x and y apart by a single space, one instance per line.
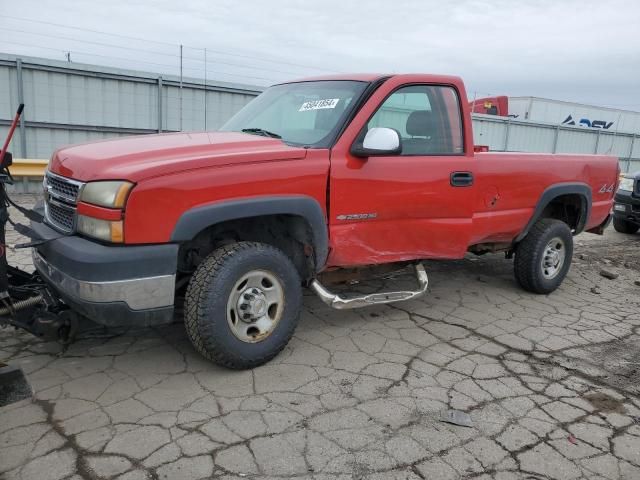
73 103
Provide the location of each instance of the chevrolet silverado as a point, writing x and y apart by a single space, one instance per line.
310 177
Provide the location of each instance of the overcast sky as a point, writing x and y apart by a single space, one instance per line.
579 50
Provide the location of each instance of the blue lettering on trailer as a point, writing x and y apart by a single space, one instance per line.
588 123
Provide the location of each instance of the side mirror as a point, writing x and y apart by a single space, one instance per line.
378 141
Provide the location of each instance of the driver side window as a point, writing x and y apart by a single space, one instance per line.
427 117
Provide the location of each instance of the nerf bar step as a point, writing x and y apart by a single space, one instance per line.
341 303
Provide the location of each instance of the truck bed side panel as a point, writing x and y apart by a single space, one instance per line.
509 186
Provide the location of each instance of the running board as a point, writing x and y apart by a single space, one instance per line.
341 303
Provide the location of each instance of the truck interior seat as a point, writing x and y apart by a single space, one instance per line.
423 131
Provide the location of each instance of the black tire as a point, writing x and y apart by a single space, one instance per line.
623 226
529 270
207 300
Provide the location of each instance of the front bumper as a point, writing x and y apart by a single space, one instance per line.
627 207
111 285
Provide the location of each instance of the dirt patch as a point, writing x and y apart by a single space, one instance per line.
605 403
619 251
619 361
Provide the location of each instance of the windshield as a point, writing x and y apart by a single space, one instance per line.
305 113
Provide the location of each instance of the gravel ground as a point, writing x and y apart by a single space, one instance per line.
551 384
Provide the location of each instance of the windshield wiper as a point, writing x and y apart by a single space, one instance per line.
261 131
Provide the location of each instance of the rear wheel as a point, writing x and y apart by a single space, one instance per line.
543 257
624 226
242 304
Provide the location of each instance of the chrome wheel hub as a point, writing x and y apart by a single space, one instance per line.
252 305
255 306
553 258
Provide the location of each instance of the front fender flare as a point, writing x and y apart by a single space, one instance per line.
195 220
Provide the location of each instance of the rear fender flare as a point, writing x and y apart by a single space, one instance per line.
554 191
197 219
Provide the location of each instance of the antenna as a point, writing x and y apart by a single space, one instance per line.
180 87
615 132
205 88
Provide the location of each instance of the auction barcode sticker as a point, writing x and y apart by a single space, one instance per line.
319 104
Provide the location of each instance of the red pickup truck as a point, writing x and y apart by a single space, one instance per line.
312 175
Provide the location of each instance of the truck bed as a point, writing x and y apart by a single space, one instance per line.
509 185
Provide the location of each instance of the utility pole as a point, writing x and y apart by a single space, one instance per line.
205 88
68 56
180 87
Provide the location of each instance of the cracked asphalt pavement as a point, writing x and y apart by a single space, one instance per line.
551 384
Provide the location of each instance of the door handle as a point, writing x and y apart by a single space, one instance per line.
461 179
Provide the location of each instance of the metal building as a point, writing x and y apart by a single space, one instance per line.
73 103
505 134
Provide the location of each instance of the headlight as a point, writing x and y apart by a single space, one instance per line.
106 230
110 194
626 185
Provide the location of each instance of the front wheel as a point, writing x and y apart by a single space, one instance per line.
624 226
544 256
243 304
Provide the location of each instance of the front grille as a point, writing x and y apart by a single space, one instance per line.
63 187
61 196
61 216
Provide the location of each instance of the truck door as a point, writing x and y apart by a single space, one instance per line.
412 205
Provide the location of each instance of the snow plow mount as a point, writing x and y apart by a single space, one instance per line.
31 306
25 300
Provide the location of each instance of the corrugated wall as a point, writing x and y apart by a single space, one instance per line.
72 103
502 134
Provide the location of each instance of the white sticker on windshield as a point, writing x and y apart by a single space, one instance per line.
319 104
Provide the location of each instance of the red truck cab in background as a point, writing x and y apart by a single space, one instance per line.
498 105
